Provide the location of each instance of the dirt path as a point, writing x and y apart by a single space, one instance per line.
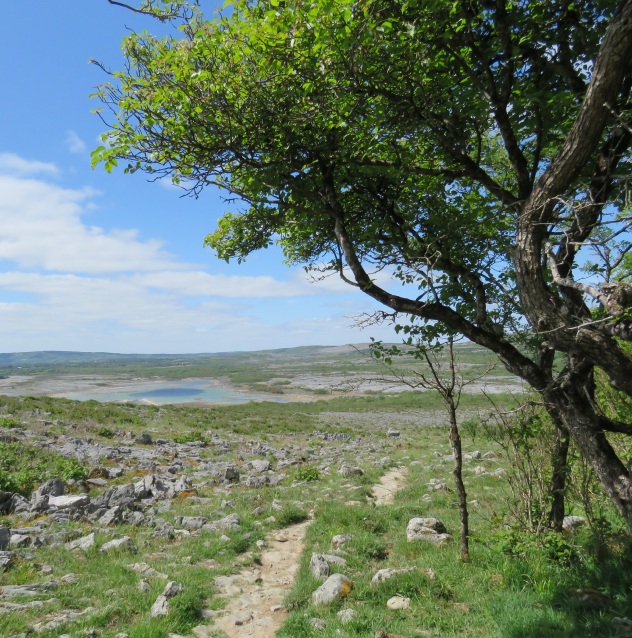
256 597
390 483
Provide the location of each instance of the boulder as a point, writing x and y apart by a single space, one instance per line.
71 501
259 465
39 502
571 523
120 543
428 529
318 566
335 587
193 522
113 515
398 602
52 487
5 536
347 471
81 543
161 606
143 439
231 474
394 434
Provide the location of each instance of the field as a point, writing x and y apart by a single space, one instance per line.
230 503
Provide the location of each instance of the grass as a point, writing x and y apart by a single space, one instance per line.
512 588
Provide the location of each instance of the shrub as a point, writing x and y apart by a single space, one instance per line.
105 432
308 474
23 467
189 437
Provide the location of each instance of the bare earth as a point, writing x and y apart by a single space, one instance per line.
256 597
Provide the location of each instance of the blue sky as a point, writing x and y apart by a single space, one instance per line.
98 262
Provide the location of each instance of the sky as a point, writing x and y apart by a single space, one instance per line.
91 261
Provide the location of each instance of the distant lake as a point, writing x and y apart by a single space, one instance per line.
162 392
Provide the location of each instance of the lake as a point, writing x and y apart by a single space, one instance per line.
162 392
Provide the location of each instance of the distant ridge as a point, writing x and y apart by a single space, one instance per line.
67 356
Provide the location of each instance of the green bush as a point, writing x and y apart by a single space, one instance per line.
9 423
189 437
307 474
105 432
23 468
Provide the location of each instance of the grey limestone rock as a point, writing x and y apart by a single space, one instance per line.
428 529
335 587
260 465
346 615
231 474
384 574
193 522
81 543
143 439
339 541
112 516
5 536
120 543
319 567
317 623
52 487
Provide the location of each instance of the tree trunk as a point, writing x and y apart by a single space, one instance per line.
455 440
557 486
583 425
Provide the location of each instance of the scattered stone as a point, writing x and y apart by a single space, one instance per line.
259 465
5 537
97 482
120 543
276 608
13 591
335 587
144 439
146 571
81 543
398 602
385 574
347 471
317 623
55 620
143 585
339 541
346 615
231 474
161 606
427 529
394 434
319 567
193 522
571 523
261 544
71 501
113 515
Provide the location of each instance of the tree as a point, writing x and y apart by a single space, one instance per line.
472 148
449 388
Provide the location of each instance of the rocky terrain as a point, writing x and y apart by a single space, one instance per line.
258 527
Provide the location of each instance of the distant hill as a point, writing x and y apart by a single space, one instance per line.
47 357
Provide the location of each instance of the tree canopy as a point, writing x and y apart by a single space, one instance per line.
473 148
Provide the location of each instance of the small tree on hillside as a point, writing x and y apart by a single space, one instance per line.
449 384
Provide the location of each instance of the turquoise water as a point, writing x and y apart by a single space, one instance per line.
162 392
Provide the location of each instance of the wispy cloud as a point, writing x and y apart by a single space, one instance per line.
74 143
11 164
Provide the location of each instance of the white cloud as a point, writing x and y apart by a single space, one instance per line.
74 143
41 227
92 289
11 164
